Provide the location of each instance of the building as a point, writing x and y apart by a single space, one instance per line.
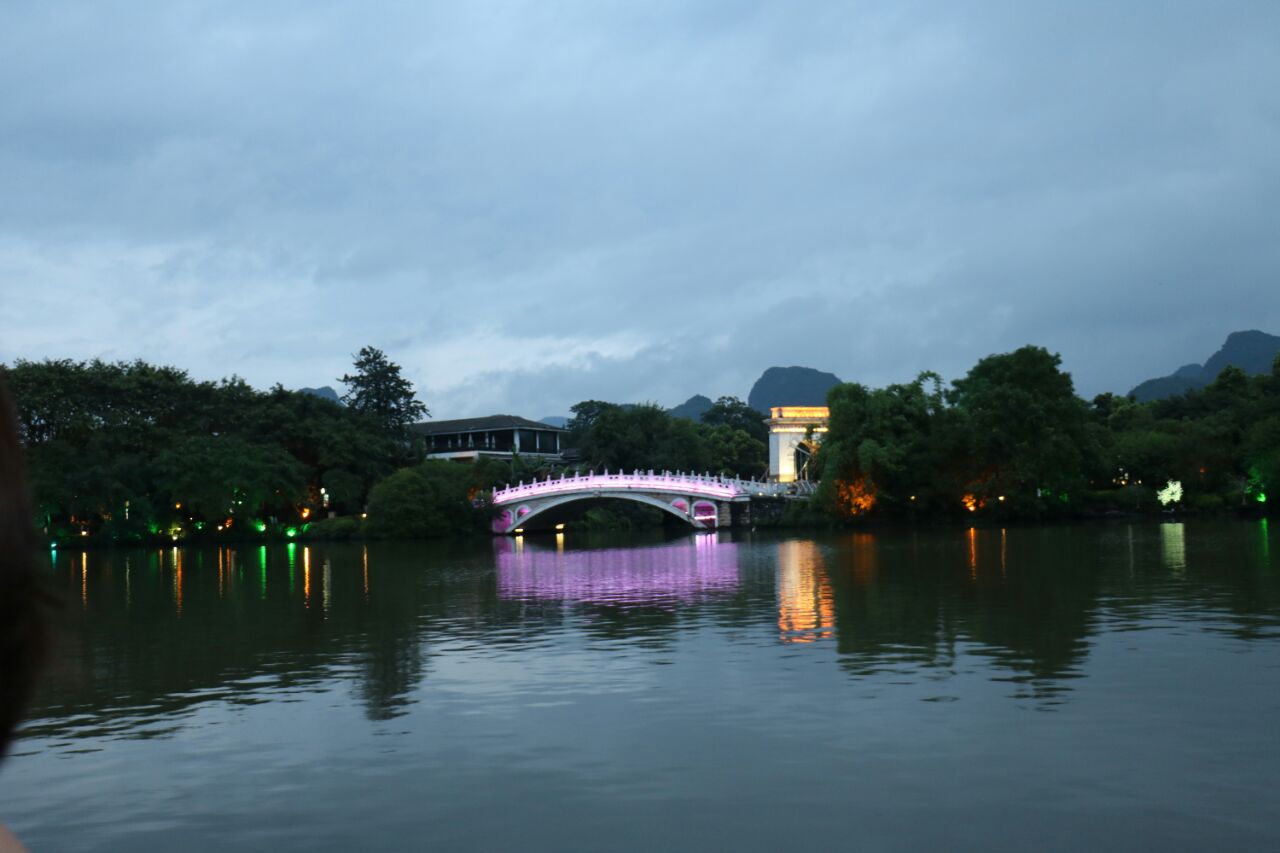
495 437
794 435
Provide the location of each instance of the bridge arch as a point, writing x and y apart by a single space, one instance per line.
542 506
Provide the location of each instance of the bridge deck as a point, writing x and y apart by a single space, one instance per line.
697 485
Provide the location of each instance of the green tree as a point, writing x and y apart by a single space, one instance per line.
585 415
735 452
1025 425
641 438
377 390
217 476
732 412
889 448
429 500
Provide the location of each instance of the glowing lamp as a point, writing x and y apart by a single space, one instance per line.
291 532
560 526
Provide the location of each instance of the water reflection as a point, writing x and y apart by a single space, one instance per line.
806 604
152 635
1173 541
689 570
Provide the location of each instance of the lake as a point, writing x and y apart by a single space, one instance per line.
1110 687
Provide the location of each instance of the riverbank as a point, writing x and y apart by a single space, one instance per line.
793 516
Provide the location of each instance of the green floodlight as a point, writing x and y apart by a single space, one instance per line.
260 526
291 532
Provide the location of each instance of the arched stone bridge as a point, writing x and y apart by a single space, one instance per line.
702 500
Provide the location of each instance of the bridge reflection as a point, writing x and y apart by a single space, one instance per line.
689 570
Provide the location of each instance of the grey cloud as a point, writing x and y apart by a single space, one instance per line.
684 193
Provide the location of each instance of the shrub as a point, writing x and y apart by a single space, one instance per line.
1207 502
341 528
430 500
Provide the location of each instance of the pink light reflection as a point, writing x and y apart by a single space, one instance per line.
678 573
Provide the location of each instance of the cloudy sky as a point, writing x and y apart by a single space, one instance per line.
530 204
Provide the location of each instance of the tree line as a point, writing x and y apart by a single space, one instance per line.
131 451
1012 439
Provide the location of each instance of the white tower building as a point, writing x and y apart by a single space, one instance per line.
794 434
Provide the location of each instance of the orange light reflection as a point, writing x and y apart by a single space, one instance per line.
806 604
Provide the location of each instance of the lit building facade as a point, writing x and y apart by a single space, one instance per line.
794 435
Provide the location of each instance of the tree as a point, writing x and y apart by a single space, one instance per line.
432 499
735 451
1025 424
225 476
732 412
639 437
377 390
585 415
890 446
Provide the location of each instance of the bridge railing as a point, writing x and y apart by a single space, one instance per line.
706 485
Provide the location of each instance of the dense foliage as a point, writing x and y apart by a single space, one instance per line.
134 450
1011 439
730 439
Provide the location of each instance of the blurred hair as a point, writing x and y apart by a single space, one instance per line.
24 602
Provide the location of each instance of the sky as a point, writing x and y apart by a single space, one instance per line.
530 204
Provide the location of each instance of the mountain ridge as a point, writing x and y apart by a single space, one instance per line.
1251 350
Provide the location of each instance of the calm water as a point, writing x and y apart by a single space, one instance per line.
1104 688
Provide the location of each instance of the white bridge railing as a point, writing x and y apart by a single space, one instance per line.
701 485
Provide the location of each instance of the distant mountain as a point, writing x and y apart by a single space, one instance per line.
1251 351
791 386
324 391
555 421
1165 386
693 408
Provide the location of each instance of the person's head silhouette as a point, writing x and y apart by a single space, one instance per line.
22 596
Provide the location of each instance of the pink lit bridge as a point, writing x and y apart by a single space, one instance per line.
702 500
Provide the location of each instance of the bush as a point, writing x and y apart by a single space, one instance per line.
1207 502
430 500
341 528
